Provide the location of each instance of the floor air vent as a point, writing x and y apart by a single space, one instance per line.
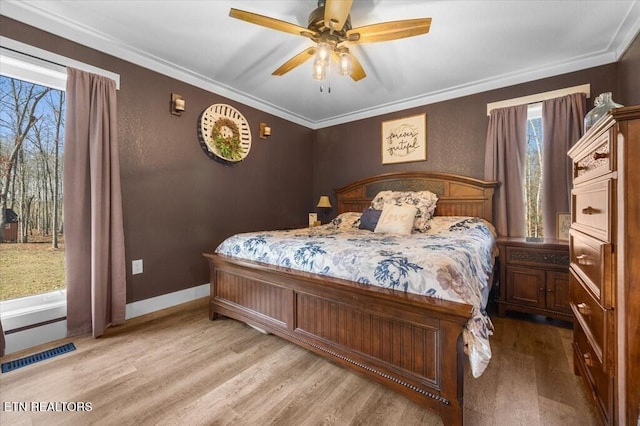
40 356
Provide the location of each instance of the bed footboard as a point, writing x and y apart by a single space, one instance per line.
410 343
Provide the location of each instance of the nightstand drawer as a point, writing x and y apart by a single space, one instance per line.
597 162
591 209
591 259
532 256
590 316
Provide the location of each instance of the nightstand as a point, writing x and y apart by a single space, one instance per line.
534 277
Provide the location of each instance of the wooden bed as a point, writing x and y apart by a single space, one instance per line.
408 342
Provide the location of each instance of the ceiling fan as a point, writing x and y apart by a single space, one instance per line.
330 28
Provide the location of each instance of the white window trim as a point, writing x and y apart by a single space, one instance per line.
43 65
34 310
539 97
534 110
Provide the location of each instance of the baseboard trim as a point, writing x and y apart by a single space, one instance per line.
158 303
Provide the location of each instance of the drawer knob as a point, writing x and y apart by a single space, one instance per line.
599 155
588 361
583 308
589 210
582 259
577 167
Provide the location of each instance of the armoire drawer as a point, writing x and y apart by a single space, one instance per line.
592 207
599 382
591 259
591 317
597 162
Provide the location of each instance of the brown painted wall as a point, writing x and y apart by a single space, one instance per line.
456 129
177 202
456 133
629 75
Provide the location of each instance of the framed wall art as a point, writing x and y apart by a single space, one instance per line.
404 140
563 225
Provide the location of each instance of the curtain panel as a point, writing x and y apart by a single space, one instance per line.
2 341
505 157
562 122
93 230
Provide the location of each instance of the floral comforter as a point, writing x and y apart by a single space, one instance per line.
453 261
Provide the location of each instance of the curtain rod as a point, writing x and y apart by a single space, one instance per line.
539 97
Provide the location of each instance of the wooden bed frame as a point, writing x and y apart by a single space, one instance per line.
408 342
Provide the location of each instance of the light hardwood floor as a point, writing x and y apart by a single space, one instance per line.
175 367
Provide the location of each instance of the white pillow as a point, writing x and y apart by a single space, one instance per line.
347 220
424 201
396 219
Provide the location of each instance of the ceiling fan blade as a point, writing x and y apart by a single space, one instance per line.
299 59
336 13
392 30
357 72
272 23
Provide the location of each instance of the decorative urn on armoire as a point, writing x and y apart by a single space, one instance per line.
603 104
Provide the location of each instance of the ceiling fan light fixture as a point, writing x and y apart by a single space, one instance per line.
323 50
320 69
345 65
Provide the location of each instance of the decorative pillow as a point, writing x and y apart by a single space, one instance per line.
396 219
424 201
347 220
369 219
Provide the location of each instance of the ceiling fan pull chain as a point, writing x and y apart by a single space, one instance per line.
328 88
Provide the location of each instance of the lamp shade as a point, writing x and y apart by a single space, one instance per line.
324 202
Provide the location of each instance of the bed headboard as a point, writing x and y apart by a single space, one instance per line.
457 195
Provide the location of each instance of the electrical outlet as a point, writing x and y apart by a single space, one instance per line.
136 267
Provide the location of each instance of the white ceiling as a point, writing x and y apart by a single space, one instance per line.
473 46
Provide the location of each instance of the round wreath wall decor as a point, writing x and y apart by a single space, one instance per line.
224 133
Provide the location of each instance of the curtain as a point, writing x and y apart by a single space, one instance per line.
2 342
562 121
94 237
505 157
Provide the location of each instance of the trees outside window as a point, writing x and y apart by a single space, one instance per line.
533 172
31 147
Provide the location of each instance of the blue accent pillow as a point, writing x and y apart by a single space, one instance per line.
369 219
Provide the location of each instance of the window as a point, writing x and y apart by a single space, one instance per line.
545 175
533 172
31 136
32 295
30 320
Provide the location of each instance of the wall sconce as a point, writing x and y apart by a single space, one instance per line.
324 204
177 104
264 131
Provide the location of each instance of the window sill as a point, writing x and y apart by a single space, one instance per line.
26 312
